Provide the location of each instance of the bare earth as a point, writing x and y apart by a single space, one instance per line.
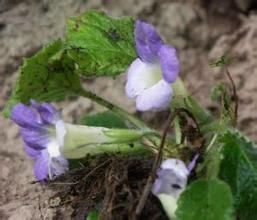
200 33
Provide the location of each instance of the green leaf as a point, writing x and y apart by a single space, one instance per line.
221 94
212 161
104 119
45 77
218 91
93 215
205 200
101 44
224 60
239 170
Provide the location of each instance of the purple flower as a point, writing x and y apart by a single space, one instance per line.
150 76
42 131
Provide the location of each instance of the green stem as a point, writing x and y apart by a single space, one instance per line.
119 111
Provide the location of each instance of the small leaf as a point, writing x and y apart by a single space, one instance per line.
43 78
239 170
218 91
101 44
205 200
93 215
224 60
227 112
104 119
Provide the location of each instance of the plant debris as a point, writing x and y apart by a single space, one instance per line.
112 185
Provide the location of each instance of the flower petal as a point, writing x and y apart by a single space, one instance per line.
25 116
169 63
46 167
177 166
37 139
61 132
168 182
48 113
141 76
31 152
157 97
58 165
148 41
191 166
41 166
171 178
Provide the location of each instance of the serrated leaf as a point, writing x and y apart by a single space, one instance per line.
104 119
205 200
101 44
44 79
239 170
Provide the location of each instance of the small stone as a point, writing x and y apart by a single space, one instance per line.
55 202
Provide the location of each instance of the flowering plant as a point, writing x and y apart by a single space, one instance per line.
204 168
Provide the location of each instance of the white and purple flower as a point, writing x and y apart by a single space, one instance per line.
150 76
171 181
50 142
42 131
171 178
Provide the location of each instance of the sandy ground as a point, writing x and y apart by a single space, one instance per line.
201 35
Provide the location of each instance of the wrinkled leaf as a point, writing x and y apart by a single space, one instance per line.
43 78
101 44
239 170
205 200
93 215
104 119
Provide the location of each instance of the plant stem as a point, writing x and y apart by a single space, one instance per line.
234 91
119 111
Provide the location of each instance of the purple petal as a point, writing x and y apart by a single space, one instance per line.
47 112
25 116
141 76
169 63
158 97
192 164
46 167
148 41
41 166
32 153
37 139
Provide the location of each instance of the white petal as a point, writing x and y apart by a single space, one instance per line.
53 148
141 76
157 97
177 166
60 132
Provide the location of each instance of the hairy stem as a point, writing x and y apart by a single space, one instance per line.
119 111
